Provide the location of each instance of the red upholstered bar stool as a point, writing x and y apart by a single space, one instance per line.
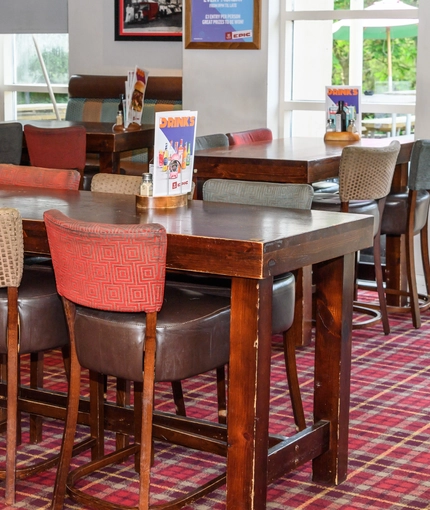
126 323
250 136
64 148
31 321
28 176
407 214
365 176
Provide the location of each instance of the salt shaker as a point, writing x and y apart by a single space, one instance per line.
146 185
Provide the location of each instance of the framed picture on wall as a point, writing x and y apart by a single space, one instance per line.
222 24
154 20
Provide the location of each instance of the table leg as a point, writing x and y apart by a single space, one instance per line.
334 281
109 162
249 392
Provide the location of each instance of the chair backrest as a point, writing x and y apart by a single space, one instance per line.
95 98
115 183
10 142
250 136
108 267
11 247
270 194
36 177
211 141
419 170
57 147
366 173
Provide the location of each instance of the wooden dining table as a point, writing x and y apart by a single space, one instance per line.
299 160
108 143
295 160
251 245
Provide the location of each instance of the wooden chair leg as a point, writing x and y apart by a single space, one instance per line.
3 379
71 420
221 395
123 400
293 380
379 282
97 414
424 240
178 398
147 411
412 281
12 394
36 381
138 390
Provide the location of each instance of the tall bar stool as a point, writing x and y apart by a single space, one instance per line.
31 321
130 185
128 324
407 214
365 176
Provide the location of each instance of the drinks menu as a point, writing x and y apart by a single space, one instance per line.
175 134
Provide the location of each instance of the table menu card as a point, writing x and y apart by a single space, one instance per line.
175 134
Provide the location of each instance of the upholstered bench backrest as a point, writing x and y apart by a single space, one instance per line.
95 98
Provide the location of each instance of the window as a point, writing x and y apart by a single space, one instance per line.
26 93
371 43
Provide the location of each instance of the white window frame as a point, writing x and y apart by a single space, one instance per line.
8 89
287 19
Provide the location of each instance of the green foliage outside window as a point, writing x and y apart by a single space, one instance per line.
375 69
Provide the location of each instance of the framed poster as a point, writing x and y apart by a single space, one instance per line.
222 24
137 20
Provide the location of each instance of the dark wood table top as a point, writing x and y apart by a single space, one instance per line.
289 160
237 240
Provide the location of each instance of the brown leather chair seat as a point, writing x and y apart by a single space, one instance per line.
283 294
331 202
38 331
113 339
395 217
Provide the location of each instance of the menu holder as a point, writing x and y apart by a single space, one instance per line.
344 136
162 202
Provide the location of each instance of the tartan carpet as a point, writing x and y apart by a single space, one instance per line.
388 442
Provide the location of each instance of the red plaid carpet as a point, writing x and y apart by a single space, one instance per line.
389 466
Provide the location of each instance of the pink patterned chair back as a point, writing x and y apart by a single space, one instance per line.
108 267
250 136
37 177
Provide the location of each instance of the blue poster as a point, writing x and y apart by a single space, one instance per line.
220 21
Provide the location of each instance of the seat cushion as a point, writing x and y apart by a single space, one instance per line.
395 217
331 202
193 333
41 314
282 301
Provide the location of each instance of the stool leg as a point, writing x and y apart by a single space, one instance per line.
178 397
71 416
12 394
36 381
293 380
221 395
147 411
379 281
